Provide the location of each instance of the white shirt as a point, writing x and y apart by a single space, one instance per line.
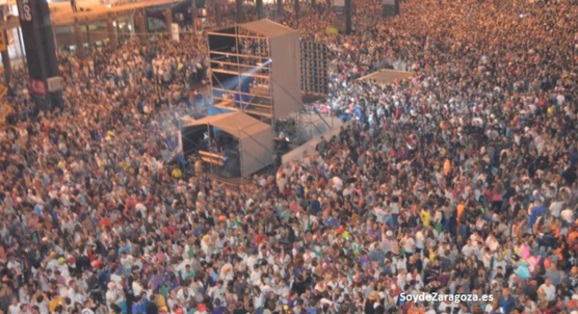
447 307
568 215
419 240
227 273
185 294
258 301
408 244
137 288
549 291
255 277
337 183
400 263
113 296
401 280
467 250
555 208
14 309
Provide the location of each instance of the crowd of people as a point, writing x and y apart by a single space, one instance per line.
461 180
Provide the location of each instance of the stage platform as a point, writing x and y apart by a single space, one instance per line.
315 135
229 105
388 76
261 108
314 125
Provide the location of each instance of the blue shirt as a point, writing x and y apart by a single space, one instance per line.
507 304
141 306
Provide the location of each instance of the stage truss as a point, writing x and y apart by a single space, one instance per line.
244 74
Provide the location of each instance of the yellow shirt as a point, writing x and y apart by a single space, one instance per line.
425 218
461 209
54 303
161 303
432 256
177 173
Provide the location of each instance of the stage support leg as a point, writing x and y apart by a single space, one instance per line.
239 10
280 8
6 63
79 41
141 26
217 7
112 38
260 13
6 57
348 17
194 13
88 41
168 20
296 9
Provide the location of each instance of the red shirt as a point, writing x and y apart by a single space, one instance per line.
260 238
105 222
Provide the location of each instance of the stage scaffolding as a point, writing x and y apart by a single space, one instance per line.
264 70
255 69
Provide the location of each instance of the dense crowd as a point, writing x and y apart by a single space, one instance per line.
461 180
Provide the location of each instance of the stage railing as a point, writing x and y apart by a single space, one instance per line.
213 159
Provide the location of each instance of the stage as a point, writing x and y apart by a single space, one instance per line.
387 76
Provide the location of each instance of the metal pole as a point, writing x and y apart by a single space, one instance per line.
54 37
217 7
240 150
118 31
22 51
168 20
210 137
296 8
88 37
280 8
194 14
239 10
79 39
239 76
6 57
260 13
112 34
348 17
